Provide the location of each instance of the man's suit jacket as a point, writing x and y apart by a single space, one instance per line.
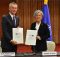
44 33
7 26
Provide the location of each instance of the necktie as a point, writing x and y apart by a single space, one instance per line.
14 19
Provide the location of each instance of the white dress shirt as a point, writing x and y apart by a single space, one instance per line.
37 26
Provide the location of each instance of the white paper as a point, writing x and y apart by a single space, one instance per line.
31 37
18 35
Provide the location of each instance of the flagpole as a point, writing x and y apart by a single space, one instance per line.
45 1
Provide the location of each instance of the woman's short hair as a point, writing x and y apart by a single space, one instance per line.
36 12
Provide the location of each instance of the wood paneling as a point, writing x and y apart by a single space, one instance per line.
3 10
54 12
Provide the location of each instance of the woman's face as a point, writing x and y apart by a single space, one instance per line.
38 17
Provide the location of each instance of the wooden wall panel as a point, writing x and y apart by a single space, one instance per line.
54 12
33 7
3 10
56 17
21 12
59 21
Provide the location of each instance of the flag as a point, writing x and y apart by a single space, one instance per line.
46 18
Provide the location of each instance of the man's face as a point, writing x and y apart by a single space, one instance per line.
13 9
38 17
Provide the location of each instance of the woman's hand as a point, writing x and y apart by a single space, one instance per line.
38 37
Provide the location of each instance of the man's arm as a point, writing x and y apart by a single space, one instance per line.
5 31
4 28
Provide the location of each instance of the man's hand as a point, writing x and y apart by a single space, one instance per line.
13 42
38 37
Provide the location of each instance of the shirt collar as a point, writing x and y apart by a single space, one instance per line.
11 15
38 23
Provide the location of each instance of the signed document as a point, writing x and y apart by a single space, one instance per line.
31 37
18 35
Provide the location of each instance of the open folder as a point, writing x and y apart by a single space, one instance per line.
18 35
31 37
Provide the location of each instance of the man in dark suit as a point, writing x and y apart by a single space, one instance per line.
43 32
9 21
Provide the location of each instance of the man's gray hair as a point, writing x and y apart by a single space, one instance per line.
36 12
12 3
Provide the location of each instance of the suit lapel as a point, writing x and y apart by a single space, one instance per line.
41 25
34 26
10 20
